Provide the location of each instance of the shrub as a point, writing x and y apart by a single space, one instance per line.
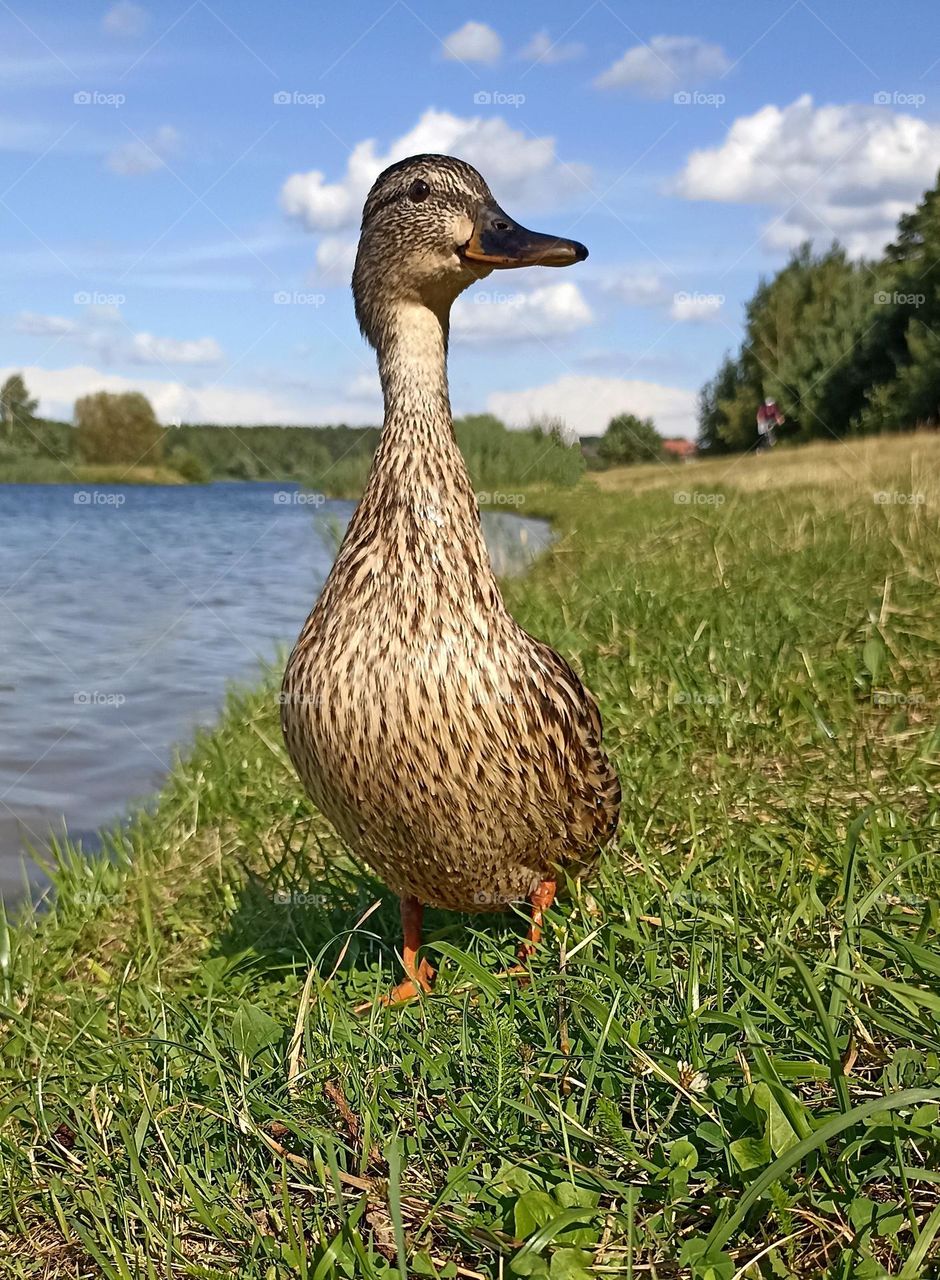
117 428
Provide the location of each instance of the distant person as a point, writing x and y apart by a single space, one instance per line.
769 418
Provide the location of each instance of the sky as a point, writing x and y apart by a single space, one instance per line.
182 183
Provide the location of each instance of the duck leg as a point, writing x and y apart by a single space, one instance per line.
419 975
541 898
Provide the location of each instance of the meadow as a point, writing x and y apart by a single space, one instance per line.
726 1063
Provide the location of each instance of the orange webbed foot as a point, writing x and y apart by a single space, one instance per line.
419 975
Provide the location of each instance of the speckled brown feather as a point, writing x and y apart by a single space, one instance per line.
457 755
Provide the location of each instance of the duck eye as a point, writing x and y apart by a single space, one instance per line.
419 190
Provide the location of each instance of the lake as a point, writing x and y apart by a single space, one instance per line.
125 612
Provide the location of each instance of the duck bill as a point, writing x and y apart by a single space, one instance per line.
497 241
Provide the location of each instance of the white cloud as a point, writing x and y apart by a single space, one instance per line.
840 170
636 286
336 256
58 389
502 316
101 329
39 326
665 64
696 306
125 19
144 155
147 349
543 49
516 165
473 42
587 404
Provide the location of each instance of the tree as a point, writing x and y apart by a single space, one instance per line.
725 420
817 338
907 393
117 428
912 398
17 406
629 439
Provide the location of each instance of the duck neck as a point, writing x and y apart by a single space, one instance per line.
419 499
413 371
418 462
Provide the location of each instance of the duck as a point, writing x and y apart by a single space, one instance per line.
458 756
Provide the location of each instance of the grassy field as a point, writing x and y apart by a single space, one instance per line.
727 1062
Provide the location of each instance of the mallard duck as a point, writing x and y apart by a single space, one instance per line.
457 755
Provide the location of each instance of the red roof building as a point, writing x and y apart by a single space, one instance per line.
681 449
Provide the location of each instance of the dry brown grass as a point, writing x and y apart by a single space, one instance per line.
873 464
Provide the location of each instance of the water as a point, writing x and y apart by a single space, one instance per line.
124 612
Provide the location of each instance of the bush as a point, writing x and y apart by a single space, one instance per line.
630 439
189 466
498 458
117 428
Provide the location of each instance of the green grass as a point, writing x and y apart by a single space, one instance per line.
727 1063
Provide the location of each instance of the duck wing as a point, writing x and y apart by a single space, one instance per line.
569 722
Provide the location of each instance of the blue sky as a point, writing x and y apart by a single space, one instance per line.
182 182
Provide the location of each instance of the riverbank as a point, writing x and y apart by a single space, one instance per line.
50 471
730 1047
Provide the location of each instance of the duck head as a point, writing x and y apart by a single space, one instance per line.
430 228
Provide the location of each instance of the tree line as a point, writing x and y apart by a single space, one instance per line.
843 347
122 431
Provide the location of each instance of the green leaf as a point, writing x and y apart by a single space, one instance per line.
873 656
779 1132
532 1210
570 1264
705 1263
528 1264
682 1154
568 1196
750 1153
253 1029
